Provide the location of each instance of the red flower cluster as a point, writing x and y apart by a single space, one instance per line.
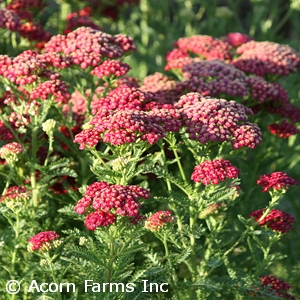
263 58
276 181
236 39
87 47
283 130
110 67
158 220
163 87
43 241
205 46
123 98
279 286
108 201
214 171
10 20
217 120
17 193
56 88
214 77
275 219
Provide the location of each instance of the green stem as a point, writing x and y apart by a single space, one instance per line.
50 264
33 162
50 150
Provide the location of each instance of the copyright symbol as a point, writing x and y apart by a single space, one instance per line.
13 287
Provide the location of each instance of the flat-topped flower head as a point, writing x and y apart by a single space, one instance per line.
283 130
9 20
110 68
15 197
217 120
123 98
55 88
88 46
263 91
165 88
279 286
263 58
120 127
205 46
158 220
276 181
214 77
44 241
275 220
104 202
214 171
10 152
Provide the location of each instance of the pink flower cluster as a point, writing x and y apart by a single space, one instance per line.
11 149
158 220
214 171
214 77
279 286
275 219
283 130
205 46
217 120
263 58
56 88
123 98
111 67
43 241
10 20
104 202
88 47
237 39
276 181
165 88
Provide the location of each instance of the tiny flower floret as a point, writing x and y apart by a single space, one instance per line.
283 130
44 241
158 220
214 171
276 181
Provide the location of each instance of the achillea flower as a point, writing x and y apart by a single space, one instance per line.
87 46
276 181
99 218
275 220
205 46
56 60
108 201
212 209
263 90
165 88
158 220
176 54
111 67
88 137
25 5
34 32
56 88
5 133
180 62
123 98
10 152
128 81
213 77
263 58
236 39
279 286
283 130
214 171
44 241
217 120
10 20
80 18
16 194
246 135
286 110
